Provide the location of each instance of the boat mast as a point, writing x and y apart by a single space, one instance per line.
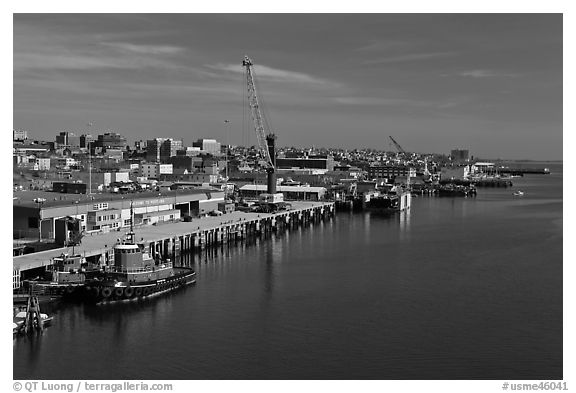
130 234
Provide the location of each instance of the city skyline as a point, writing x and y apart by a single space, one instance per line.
490 83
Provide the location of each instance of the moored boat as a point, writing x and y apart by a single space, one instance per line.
135 275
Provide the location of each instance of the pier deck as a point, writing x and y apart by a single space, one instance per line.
103 243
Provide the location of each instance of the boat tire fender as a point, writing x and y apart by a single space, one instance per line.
106 292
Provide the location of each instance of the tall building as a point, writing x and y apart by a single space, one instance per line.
85 140
69 139
161 149
153 149
169 148
459 155
140 145
111 140
208 145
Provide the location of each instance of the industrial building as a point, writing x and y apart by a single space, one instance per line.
291 193
36 212
318 163
389 171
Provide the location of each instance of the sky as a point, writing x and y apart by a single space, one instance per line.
490 83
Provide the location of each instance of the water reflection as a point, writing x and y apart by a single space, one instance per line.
404 218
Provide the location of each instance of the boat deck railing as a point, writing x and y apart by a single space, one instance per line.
146 269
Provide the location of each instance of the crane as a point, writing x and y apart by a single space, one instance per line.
266 139
400 149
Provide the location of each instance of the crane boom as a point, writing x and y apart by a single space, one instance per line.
400 149
257 117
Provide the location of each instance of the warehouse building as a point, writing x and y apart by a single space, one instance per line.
36 212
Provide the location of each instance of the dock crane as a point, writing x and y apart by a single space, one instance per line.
397 145
266 139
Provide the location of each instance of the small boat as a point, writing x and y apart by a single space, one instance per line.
20 320
518 193
65 277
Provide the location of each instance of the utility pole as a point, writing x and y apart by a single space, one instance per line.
226 129
89 162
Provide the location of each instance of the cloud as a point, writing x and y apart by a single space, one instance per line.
487 74
80 61
371 101
145 49
382 46
273 74
440 104
409 57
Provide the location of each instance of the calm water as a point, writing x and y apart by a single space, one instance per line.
456 289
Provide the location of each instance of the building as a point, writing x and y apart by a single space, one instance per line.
115 154
483 168
69 188
105 178
291 193
208 145
161 149
198 177
64 162
103 212
169 148
111 140
459 172
67 139
188 151
86 140
140 145
20 135
390 171
321 163
459 155
188 163
43 164
153 149
153 170
35 148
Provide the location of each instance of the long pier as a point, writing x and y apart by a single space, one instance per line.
172 238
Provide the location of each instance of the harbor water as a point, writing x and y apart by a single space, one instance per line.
456 288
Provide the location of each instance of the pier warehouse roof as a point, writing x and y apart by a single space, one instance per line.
290 192
35 210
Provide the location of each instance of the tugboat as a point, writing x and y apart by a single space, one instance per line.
135 275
